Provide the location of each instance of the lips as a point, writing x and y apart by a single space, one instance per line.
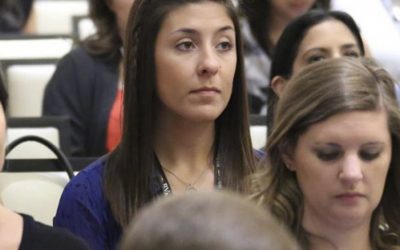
205 90
350 198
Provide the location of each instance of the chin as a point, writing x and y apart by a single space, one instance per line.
204 115
352 219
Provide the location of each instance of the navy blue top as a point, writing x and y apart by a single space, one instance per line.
84 210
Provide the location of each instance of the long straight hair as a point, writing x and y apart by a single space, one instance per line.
130 167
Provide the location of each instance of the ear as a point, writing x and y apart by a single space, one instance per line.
278 84
288 160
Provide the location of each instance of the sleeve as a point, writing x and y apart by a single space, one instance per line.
63 96
81 211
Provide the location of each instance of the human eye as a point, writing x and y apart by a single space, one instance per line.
315 58
352 53
328 153
224 46
369 154
185 45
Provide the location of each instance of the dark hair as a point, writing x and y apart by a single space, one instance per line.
203 221
3 93
318 92
288 44
257 13
128 171
107 40
12 17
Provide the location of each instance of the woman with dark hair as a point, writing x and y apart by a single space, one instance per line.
87 84
185 118
21 231
333 167
314 36
262 25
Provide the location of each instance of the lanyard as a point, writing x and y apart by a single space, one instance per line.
166 189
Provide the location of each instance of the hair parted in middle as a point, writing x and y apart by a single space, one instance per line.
318 92
289 42
128 172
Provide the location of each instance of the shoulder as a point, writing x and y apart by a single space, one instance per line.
89 179
39 236
83 198
78 55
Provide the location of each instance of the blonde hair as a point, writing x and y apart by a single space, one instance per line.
318 92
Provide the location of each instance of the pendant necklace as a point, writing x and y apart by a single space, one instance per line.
166 189
189 187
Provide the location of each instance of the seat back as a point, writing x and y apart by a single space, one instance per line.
258 131
33 193
83 27
55 17
26 84
30 47
55 129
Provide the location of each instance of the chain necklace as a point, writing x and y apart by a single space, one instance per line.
189 187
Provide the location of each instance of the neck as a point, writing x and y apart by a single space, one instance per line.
324 235
276 27
186 149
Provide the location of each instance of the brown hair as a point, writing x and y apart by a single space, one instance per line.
106 41
202 221
128 172
318 92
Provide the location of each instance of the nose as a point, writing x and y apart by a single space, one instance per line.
336 54
209 64
351 170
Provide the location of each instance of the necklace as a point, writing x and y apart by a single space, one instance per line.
189 187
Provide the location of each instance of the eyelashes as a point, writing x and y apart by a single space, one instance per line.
333 155
189 45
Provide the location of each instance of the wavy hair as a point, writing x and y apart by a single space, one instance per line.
318 92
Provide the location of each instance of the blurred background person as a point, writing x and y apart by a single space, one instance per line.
312 37
262 24
87 85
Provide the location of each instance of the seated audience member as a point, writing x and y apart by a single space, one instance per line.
314 36
333 167
87 84
20 231
16 16
262 24
203 221
185 118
